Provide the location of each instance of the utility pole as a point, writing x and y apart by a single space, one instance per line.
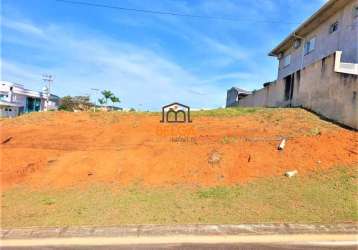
95 100
48 79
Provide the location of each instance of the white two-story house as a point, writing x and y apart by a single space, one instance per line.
15 100
318 66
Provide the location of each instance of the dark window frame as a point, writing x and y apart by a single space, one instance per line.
284 59
333 27
308 45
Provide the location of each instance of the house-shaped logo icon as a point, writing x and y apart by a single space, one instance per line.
175 113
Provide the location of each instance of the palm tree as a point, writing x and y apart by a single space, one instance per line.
101 101
107 94
114 99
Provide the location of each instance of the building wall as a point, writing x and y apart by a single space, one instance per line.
6 111
270 96
231 98
19 99
344 39
318 88
52 105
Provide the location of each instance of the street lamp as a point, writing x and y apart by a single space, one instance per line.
45 91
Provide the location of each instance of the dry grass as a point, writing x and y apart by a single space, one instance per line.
328 197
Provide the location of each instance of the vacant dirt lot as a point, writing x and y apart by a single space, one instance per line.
221 147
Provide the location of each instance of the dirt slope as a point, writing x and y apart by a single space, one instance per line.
61 149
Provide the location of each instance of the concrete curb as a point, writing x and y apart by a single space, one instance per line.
167 230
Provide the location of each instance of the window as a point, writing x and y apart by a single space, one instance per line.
10 109
286 60
310 45
355 11
333 27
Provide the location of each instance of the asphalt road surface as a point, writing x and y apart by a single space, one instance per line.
239 246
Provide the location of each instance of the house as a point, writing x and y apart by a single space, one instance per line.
234 95
318 66
15 100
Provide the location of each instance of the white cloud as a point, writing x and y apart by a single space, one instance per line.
79 63
218 52
228 50
19 73
83 58
22 27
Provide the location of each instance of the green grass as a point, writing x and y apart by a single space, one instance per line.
229 139
216 192
327 197
226 112
314 131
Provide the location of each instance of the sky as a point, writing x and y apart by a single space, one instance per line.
147 60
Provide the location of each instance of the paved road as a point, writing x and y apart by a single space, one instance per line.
238 246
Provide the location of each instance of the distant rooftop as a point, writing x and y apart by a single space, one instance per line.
10 84
241 91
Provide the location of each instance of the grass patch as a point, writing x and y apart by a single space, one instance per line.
48 201
226 112
328 197
229 139
30 118
314 131
216 192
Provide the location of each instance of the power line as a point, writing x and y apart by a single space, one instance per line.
169 13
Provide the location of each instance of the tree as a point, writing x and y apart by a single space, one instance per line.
107 94
114 99
82 102
70 103
66 103
101 101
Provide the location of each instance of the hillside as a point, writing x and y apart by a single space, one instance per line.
220 147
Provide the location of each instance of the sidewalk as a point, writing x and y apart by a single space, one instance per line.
332 240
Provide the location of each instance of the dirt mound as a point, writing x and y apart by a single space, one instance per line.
61 149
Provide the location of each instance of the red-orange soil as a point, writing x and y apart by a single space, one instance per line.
61 149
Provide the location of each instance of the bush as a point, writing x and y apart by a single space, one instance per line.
70 103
